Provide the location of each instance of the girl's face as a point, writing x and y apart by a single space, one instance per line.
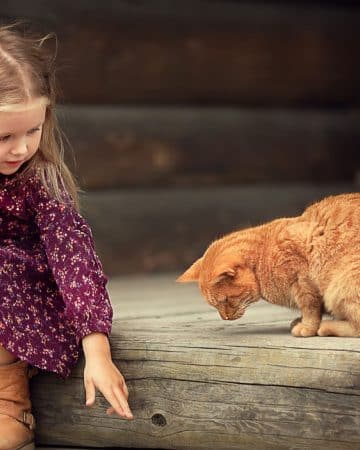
20 133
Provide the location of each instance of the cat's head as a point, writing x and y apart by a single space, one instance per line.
226 281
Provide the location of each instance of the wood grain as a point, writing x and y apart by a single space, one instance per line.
167 229
197 382
218 52
209 146
206 11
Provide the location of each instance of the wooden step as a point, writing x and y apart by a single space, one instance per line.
197 382
202 52
167 229
118 146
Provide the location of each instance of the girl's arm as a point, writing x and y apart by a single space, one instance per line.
76 268
101 373
78 273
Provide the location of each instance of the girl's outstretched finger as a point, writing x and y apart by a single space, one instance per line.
119 394
115 404
125 390
90 392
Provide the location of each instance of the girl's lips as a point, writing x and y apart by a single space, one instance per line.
14 163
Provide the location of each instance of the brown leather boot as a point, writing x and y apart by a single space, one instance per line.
16 421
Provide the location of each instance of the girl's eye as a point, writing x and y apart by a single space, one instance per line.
34 130
8 136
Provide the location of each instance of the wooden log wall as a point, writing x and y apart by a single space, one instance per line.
201 95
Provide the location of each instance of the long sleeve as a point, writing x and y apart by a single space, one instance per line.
69 247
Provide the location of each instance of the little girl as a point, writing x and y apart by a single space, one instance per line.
53 296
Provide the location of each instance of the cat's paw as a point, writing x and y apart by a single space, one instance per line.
325 330
295 322
301 330
336 328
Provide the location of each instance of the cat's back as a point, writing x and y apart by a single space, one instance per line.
336 244
336 211
334 258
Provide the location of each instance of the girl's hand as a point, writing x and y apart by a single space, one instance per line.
102 374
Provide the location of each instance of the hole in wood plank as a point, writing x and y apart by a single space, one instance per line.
158 420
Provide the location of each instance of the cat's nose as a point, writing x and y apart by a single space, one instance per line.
224 315
228 313
223 312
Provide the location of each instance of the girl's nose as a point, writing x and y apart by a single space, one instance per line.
20 148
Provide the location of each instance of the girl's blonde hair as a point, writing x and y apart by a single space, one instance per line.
27 72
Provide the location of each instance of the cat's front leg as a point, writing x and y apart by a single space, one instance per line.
310 304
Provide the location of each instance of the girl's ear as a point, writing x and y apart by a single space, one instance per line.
192 274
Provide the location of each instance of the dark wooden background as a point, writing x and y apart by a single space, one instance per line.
189 119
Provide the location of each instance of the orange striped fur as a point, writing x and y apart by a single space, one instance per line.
310 262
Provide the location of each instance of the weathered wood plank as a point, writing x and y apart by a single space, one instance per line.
207 11
167 229
274 55
202 383
170 68
205 146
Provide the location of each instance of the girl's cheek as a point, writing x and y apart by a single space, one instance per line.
3 150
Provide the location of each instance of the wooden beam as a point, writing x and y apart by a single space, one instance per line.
179 11
197 382
210 146
204 53
167 229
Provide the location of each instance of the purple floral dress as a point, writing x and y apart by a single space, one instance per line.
52 285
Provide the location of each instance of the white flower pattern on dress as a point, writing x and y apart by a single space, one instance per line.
53 285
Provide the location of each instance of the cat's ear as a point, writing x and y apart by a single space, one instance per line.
192 274
222 273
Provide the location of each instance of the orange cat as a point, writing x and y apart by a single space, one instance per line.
310 262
